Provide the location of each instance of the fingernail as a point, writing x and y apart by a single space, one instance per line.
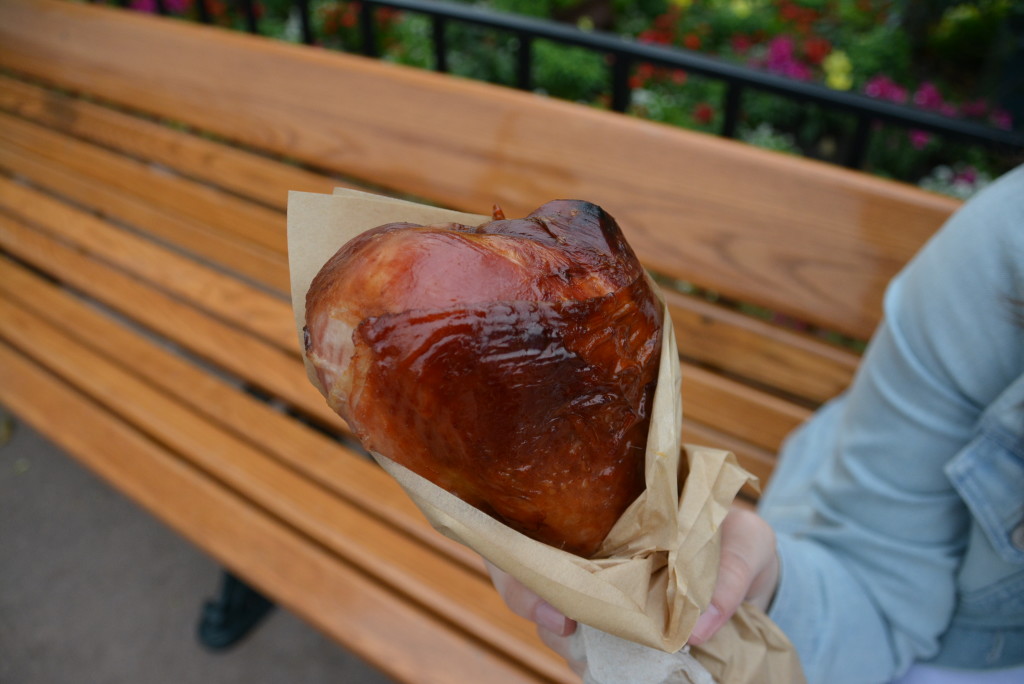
706 625
550 619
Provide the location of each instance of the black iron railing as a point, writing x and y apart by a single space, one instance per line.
624 54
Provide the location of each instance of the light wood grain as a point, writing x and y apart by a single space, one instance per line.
797 236
237 353
785 361
394 635
151 183
236 170
243 306
255 263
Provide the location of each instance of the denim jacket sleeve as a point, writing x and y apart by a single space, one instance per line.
870 528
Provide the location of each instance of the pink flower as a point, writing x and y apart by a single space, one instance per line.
919 139
968 174
173 6
884 88
975 109
1001 119
781 59
928 97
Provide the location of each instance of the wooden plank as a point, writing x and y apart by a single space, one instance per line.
245 357
417 573
744 412
764 354
395 636
153 184
241 305
306 451
239 171
800 237
758 462
257 264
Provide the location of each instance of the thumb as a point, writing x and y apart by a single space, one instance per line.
747 568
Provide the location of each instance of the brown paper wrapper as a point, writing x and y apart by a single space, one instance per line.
657 568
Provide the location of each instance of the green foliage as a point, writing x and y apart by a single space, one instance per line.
568 72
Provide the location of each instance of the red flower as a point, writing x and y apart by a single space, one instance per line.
679 76
691 41
817 49
789 11
741 43
703 113
919 139
655 36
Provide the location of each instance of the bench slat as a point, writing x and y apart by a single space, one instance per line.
306 578
150 183
758 352
266 316
796 236
254 263
244 173
264 366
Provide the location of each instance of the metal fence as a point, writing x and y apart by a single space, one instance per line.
624 53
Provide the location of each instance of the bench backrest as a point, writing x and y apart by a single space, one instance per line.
759 230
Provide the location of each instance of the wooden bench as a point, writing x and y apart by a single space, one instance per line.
145 324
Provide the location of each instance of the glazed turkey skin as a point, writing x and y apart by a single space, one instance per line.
512 363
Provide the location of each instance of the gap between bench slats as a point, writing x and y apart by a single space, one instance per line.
396 637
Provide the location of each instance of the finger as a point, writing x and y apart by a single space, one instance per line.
747 565
525 603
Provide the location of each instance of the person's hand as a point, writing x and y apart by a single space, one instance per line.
553 628
748 571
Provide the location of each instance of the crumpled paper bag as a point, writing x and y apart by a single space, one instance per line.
639 597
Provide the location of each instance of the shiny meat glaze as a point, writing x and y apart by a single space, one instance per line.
512 364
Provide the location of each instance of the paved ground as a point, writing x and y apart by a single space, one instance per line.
93 590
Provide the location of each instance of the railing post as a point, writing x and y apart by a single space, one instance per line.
733 104
368 29
440 43
203 11
251 22
858 151
305 22
620 81
524 61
